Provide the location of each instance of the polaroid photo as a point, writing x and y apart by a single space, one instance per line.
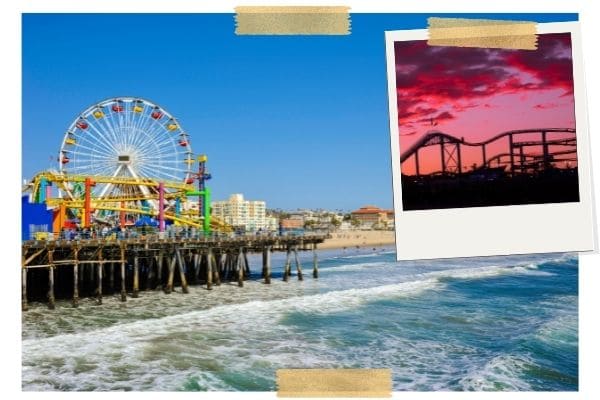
490 146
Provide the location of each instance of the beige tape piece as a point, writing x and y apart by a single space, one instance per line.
462 32
297 20
334 383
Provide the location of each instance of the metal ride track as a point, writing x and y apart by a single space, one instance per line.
517 159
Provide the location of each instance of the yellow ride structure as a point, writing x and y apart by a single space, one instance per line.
132 202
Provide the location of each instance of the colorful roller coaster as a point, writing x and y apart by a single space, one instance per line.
126 158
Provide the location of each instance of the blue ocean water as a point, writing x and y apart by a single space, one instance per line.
493 323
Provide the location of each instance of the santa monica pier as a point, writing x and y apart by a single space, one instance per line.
128 208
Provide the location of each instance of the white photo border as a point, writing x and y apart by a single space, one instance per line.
496 230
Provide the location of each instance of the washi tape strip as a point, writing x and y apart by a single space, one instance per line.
334 383
462 32
292 20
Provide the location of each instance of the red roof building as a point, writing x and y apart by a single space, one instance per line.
372 216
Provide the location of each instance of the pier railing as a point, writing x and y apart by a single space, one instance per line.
125 235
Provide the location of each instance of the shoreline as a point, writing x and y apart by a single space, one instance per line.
358 239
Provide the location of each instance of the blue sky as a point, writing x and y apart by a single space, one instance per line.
298 121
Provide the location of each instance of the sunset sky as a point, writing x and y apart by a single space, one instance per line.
477 93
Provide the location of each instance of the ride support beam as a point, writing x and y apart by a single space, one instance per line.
122 215
87 203
458 159
161 207
442 155
417 162
59 218
201 170
521 159
545 151
41 194
206 210
177 206
483 156
512 154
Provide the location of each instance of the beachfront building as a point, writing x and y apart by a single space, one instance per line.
249 215
312 220
292 223
373 217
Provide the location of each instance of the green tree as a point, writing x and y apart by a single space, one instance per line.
335 222
310 224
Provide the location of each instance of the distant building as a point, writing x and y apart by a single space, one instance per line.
373 217
292 223
271 223
249 215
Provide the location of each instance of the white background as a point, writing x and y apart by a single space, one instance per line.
10 84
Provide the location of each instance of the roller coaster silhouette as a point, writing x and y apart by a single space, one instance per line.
518 174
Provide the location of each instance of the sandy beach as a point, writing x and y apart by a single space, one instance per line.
358 238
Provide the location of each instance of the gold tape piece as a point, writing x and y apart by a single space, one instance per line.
296 20
334 383
462 32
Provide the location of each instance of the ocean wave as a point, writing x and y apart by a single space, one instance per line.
104 357
501 373
353 256
318 303
248 312
355 267
203 349
562 330
463 268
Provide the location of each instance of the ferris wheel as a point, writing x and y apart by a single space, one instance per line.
126 137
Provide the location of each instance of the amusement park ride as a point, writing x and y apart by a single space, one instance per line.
525 166
122 159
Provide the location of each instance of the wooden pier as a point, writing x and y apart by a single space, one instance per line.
96 267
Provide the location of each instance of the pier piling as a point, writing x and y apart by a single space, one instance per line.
24 306
222 264
215 268
51 304
267 264
75 301
209 268
287 267
159 269
169 287
150 276
136 275
246 263
315 262
123 282
181 266
100 268
196 266
111 277
298 266
240 268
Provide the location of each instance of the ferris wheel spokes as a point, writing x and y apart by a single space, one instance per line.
126 137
